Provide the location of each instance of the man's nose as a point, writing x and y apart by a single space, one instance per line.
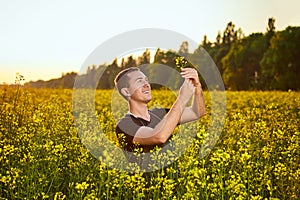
146 84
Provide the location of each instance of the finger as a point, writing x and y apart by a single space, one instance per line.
189 82
184 71
191 73
188 76
188 70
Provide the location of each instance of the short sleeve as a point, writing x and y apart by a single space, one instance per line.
160 112
126 130
127 126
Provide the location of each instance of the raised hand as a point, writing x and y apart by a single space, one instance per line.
192 74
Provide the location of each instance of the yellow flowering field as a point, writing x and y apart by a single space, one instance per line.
257 155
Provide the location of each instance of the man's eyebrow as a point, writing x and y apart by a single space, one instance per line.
145 77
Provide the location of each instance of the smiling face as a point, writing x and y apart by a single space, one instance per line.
139 87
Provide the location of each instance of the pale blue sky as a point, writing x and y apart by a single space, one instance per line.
42 39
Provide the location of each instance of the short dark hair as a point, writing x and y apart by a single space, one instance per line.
121 80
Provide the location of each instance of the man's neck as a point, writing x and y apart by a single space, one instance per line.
139 110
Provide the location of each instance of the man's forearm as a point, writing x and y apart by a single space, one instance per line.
198 105
166 126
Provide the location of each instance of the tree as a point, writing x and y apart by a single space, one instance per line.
145 58
218 39
122 66
229 34
239 34
271 26
131 62
280 65
222 45
67 80
112 71
241 64
205 43
184 49
270 29
163 70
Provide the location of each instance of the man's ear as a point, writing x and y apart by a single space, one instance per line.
125 92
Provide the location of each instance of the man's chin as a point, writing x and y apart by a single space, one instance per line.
148 100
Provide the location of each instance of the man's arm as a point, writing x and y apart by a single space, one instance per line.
197 109
163 130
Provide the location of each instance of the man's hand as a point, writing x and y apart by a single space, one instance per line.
197 109
192 74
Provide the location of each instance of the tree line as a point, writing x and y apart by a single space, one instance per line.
260 61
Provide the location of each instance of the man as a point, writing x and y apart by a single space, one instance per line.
145 128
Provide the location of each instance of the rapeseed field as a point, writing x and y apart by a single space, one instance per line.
257 155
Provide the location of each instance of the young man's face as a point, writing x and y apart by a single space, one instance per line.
138 87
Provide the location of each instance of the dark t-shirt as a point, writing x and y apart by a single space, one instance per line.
129 124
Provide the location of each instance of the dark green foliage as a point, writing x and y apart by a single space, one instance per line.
260 61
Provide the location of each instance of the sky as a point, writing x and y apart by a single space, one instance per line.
43 39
